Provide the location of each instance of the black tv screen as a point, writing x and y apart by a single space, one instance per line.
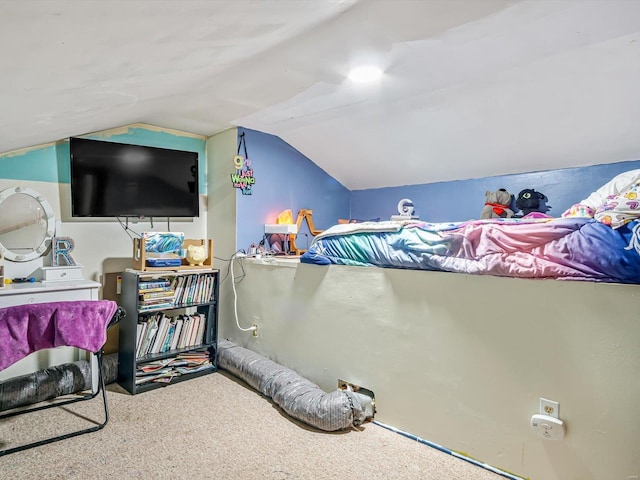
120 180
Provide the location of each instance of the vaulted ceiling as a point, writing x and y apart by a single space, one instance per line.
470 88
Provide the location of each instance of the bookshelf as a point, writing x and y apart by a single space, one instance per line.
171 334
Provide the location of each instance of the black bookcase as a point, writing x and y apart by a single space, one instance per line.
195 294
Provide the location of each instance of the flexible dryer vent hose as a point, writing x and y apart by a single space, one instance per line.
297 396
64 379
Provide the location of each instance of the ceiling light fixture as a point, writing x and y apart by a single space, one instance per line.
366 73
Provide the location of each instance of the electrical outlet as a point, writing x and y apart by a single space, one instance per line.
255 321
549 407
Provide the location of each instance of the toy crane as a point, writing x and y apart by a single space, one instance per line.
303 214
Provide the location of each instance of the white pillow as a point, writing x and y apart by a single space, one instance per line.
605 199
615 186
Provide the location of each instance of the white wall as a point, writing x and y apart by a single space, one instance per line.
462 360
221 224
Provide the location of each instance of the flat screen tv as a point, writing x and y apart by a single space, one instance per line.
120 180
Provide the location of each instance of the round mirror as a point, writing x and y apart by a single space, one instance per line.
26 224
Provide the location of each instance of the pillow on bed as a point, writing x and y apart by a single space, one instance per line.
620 209
342 221
614 203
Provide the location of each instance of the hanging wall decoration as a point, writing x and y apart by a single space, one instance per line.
243 177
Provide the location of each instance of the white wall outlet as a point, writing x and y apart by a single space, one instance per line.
549 407
255 321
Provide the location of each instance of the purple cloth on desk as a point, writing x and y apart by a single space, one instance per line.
25 329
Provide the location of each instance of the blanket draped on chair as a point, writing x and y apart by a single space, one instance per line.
25 329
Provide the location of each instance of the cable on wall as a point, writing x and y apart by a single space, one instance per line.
125 227
235 295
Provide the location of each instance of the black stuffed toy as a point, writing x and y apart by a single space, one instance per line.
530 201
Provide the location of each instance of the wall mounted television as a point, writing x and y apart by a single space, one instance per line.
120 180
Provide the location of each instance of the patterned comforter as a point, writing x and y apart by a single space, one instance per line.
559 248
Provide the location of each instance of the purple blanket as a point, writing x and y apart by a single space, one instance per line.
25 329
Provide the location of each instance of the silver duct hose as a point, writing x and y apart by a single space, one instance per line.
64 379
297 396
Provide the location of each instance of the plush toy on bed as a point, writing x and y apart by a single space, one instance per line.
533 204
497 204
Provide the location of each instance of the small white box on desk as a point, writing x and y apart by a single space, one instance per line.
280 228
62 273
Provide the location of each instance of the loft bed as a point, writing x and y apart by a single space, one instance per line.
596 240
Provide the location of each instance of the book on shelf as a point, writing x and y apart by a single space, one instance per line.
156 285
176 334
186 370
201 329
193 288
186 329
160 333
195 322
166 343
164 377
154 297
177 285
154 366
184 294
147 291
149 332
156 301
155 371
163 371
155 306
140 332
161 294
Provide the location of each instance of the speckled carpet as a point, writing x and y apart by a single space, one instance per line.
214 427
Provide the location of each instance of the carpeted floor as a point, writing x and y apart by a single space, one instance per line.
214 427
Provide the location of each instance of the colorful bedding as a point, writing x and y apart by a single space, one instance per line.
559 248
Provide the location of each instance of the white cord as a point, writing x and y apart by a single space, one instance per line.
235 300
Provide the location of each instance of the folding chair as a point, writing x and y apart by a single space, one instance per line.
25 329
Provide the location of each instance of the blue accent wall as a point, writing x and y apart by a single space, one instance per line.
463 199
285 179
37 165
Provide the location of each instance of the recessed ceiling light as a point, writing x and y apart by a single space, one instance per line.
366 73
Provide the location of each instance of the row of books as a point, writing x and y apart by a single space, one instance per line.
155 294
160 333
196 288
155 285
163 371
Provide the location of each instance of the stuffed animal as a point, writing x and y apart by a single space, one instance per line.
497 204
532 203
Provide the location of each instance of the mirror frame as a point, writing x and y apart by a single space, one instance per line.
51 225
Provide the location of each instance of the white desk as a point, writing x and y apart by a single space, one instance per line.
37 292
